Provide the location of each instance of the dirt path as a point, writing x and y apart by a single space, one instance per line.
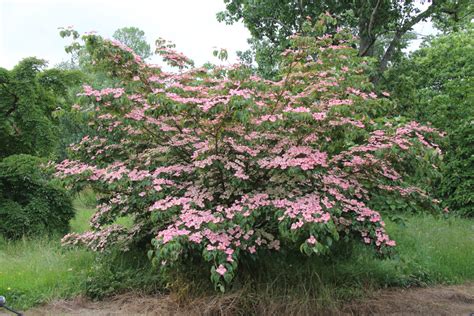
441 300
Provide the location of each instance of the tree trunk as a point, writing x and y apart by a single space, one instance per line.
366 45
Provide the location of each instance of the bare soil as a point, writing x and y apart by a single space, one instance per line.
439 300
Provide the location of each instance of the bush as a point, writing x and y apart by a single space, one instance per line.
121 272
436 84
30 204
218 165
458 181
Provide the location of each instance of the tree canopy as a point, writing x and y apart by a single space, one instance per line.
375 22
29 95
134 38
436 84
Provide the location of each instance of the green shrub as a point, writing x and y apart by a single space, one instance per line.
436 84
31 204
117 272
458 182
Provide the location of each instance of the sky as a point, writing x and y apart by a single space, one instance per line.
30 27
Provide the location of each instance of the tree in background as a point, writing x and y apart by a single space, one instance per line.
29 97
436 84
272 22
134 38
455 16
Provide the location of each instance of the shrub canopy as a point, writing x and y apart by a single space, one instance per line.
30 204
218 163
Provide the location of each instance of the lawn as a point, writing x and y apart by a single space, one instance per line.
431 250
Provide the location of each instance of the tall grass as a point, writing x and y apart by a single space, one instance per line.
84 204
38 270
431 250
438 250
34 271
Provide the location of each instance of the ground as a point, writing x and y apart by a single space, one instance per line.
439 300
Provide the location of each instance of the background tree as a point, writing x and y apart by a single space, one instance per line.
29 96
134 38
30 99
436 84
456 15
272 22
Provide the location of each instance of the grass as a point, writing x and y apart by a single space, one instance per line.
36 271
442 249
84 205
431 250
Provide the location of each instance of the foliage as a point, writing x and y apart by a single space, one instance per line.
381 26
121 272
436 85
134 38
458 181
30 204
29 96
455 16
225 166
72 126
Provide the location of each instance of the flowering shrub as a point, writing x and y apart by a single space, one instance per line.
218 162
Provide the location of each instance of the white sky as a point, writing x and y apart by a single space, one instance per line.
30 27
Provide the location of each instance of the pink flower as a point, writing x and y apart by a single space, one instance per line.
311 240
221 270
319 116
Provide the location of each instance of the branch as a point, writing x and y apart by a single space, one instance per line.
368 44
372 18
423 15
283 25
401 31
366 49
15 101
